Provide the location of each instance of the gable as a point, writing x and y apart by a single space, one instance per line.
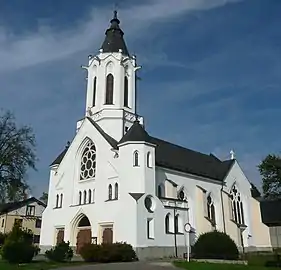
112 142
19 208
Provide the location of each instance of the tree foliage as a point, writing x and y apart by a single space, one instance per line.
270 170
17 155
44 197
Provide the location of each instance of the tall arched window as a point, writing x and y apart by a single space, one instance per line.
116 191
211 209
110 192
93 195
88 162
85 197
57 201
126 92
167 223
237 206
161 191
89 196
136 159
176 224
109 89
80 197
61 198
148 160
94 91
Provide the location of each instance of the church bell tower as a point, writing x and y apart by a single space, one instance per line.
111 84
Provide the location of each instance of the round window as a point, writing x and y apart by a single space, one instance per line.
149 203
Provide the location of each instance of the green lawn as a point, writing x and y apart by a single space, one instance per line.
36 265
218 266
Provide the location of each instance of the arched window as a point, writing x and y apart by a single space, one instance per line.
110 192
126 92
149 160
80 197
176 224
85 196
93 195
94 91
61 198
109 89
167 223
211 209
160 191
237 206
88 162
136 159
116 191
89 196
57 201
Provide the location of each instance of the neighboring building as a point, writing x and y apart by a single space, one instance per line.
271 216
26 213
115 182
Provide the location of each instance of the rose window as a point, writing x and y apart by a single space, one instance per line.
88 162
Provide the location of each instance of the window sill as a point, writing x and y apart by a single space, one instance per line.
86 180
109 200
150 238
171 233
57 207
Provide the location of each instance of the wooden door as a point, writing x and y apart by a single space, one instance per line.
60 236
107 236
83 237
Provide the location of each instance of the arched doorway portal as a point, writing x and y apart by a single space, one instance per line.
84 234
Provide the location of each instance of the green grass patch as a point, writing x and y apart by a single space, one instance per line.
218 266
37 265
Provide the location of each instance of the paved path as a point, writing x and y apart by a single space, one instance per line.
125 266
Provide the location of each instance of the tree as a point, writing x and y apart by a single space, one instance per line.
44 197
17 155
270 170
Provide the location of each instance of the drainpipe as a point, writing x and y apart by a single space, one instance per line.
222 206
175 233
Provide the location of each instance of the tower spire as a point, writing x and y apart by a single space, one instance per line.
114 41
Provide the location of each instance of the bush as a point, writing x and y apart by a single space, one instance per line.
117 252
268 259
2 238
18 246
215 245
62 252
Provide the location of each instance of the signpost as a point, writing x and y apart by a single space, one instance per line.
187 228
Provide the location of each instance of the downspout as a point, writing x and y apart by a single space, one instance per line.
222 206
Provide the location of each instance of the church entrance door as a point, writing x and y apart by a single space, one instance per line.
84 235
107 236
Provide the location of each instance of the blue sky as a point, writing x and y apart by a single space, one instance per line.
211 76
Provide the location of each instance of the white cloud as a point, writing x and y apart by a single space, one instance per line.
47 45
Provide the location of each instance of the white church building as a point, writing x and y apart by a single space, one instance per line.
116 183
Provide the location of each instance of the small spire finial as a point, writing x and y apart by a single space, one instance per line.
115 14
232 154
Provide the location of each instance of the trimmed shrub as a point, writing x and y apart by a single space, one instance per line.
18 246
215 245
116 252
62 252
2 238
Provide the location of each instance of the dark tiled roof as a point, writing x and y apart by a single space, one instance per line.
136 133
182 159
178 158
271 212
114 38
108 138
7 207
